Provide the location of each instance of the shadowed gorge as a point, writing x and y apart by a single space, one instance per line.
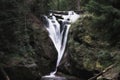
92 50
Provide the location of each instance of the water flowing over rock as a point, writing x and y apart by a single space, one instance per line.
58 32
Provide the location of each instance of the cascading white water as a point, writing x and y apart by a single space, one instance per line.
59 32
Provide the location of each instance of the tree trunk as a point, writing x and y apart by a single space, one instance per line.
78 4
4 73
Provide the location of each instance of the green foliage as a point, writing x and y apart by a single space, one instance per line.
63 4
88 49
93 7
15 31
58 5
40 7
105 58
106 19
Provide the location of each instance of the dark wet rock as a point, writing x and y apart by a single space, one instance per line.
34 48
20 73
45 52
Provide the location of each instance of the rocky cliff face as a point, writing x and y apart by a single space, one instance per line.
88 54
33 52
45 52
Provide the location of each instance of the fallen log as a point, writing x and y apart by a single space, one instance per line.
105 70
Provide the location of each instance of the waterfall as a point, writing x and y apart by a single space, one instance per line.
58 29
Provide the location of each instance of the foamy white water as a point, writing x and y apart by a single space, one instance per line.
59 35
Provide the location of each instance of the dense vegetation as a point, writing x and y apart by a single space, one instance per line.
23 40
106 17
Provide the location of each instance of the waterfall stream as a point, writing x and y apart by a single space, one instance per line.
58 29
